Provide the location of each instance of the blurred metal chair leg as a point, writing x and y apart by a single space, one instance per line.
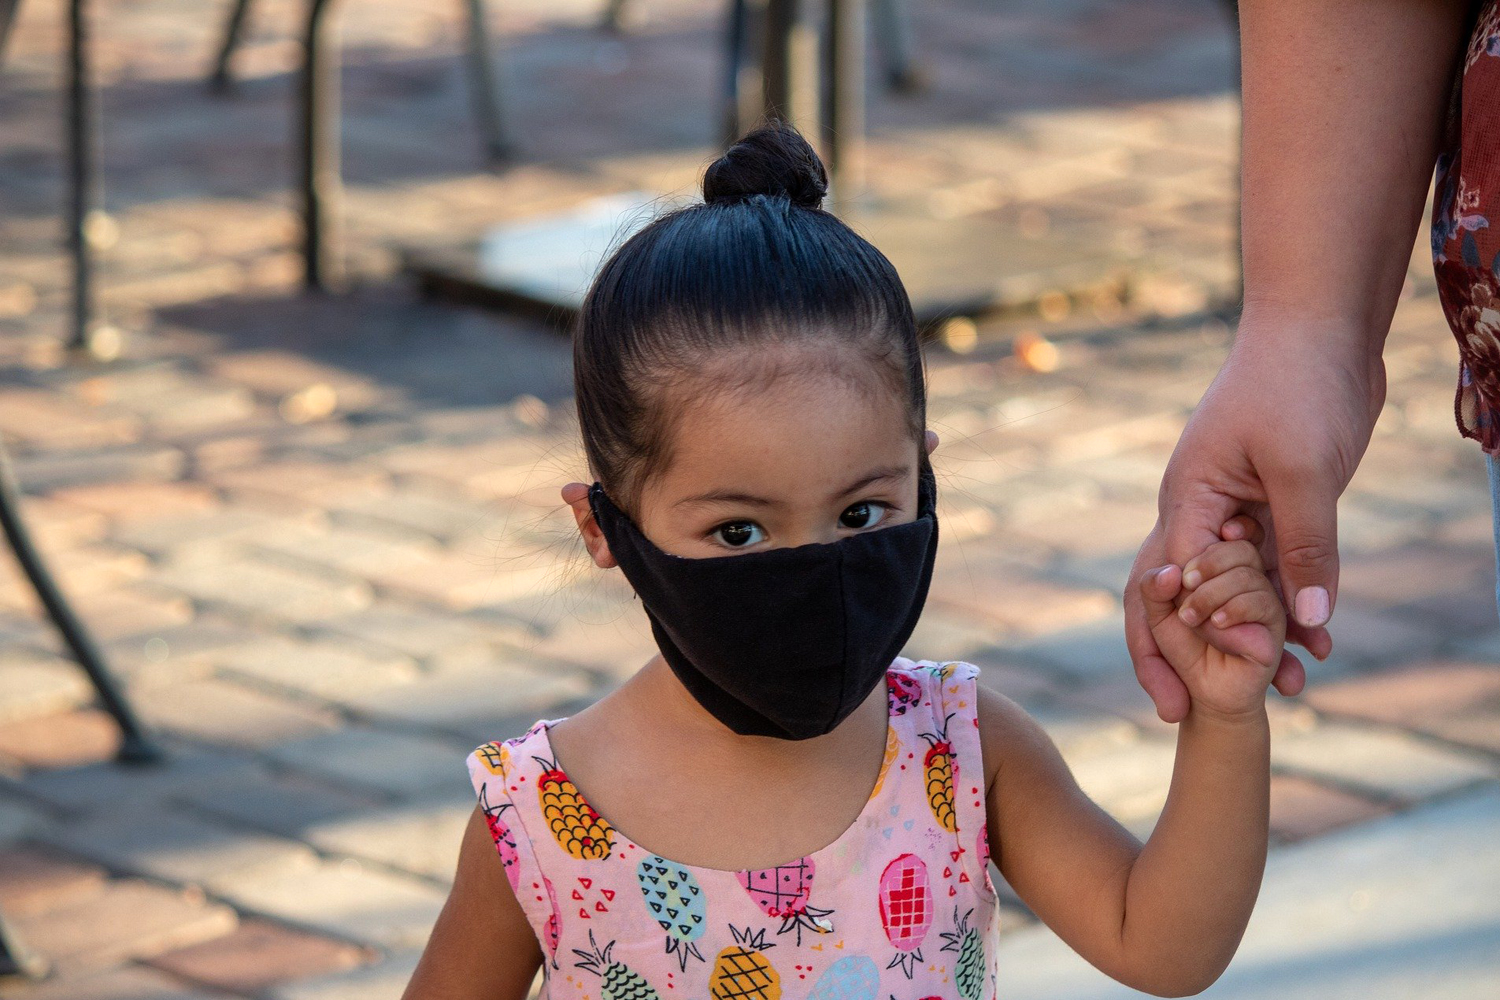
136 747
317 141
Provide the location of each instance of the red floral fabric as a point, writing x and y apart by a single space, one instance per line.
1465 240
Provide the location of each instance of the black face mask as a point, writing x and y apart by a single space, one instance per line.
785 642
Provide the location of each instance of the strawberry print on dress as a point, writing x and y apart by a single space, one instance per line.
899 905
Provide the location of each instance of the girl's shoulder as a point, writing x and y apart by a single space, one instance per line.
1002 727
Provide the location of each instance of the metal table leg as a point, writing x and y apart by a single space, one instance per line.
136 747
83 177
18 960
317 143
7 18
790 66
221 80
844 105
485 83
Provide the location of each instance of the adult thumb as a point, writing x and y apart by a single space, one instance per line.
1304 509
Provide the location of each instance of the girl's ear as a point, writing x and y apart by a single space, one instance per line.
931 441
576 496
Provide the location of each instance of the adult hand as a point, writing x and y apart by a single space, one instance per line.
1276 437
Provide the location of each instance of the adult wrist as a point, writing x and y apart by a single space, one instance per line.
1345 334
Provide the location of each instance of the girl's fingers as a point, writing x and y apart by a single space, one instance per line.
1243 527
1219 559
1217 591
1259 606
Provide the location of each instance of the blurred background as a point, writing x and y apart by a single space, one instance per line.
285 395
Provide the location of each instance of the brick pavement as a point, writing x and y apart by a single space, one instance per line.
313 533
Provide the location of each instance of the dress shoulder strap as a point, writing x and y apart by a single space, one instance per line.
498 773
954 765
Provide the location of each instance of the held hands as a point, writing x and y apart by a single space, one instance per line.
1219 622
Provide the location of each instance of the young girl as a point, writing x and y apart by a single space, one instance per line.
777 805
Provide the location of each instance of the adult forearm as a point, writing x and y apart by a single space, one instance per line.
1191 889
1343 108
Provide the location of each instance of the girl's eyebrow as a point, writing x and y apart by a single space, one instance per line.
729 497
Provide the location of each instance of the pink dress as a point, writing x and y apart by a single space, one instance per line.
899 906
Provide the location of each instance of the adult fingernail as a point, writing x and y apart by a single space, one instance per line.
1312 606
1189 617
1191 579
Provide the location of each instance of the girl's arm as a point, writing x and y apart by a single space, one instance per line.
481 948
1164 918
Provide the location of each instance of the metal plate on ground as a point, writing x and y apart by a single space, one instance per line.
973 265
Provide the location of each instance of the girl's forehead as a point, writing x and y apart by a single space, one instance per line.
793 433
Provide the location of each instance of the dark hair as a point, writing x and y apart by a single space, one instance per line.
758 263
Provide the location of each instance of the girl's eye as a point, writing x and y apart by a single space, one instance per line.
738 534
862 515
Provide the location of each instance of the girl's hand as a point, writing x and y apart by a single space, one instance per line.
1220 623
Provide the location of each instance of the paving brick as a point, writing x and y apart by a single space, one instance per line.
174 846
263 589
1130 782
258 955
307 482
1302 808
127 919
127 502
1094 650
44 419
80 572
443 518
221 711
170 536
622 644
385 980
1019 599
20 819
348 899
419 634
474 700
116 614
62 739
374 760
1081 734
1457 700
94 785
322 667
417 837
177 652
1386 764
35 879
58 469
128 982
36 684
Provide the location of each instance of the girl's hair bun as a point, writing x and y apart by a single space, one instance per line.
772 160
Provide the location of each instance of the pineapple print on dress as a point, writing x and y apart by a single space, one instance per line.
505 840
676 900
905 898
853 977
620 982
969 975
741 971
940 769
495 757
579 830
783 892
902 691
554 922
